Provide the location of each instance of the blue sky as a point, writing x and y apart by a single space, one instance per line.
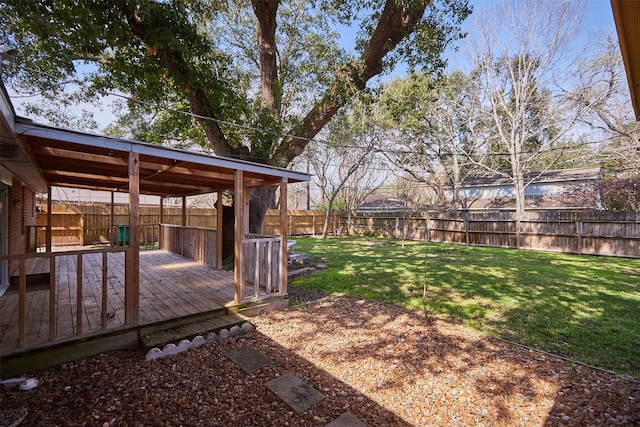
598 18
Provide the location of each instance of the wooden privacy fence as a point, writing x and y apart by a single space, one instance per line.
301 222
91 224
597 234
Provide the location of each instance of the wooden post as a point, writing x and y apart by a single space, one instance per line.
466 231
184 211
52 298
22 303
245 204
283 235
428 233
79 310
579 236
104 291
161 221
184 224
48 236
132 269
82 230
112 220
238 237
219 219
313 219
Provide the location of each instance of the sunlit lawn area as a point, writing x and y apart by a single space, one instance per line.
582 307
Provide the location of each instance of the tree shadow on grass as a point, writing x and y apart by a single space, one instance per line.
578 307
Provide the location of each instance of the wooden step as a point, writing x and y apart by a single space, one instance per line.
174 335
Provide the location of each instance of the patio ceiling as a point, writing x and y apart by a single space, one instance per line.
79 160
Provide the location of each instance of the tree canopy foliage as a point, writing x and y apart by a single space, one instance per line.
258 79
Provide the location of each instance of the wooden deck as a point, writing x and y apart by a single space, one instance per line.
171 287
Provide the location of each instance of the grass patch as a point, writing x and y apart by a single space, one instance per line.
583 307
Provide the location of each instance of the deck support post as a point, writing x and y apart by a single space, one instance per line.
284 231
219 223
238 252
132 267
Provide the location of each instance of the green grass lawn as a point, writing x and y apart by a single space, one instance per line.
582 307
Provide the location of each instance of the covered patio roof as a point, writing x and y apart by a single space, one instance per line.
80 160
626 14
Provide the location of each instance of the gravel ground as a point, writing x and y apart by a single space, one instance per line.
384 365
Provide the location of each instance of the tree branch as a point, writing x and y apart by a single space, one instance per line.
394 24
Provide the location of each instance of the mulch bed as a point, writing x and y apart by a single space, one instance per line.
383 364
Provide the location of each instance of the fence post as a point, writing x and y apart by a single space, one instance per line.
466 231
579 236
428 233
313 224
397 233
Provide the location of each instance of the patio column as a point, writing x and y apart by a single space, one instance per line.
161 221
219 214
132 268
184 224
48 236
184 211
112 220
238 237
284 231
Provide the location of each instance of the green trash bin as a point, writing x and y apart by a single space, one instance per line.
123 234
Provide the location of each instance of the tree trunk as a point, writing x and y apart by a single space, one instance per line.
325 227
261 199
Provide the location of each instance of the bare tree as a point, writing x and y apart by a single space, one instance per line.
346 167
345 174
523 58
602 96
430 128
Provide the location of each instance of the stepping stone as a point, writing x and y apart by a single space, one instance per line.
299 395
249 359
346 420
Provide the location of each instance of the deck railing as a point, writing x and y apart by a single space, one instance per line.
84 303
262 267
262 255
197 243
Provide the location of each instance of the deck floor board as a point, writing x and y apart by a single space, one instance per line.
171 286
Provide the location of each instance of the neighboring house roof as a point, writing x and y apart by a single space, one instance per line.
626 14
561 175
381 202
553 189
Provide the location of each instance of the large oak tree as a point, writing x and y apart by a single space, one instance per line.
259 78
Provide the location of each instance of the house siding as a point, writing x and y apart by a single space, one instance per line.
22 215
